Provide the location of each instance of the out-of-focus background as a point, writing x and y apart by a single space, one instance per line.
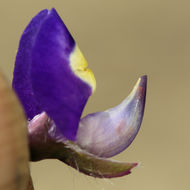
122 40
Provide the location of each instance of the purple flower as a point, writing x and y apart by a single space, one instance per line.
53 83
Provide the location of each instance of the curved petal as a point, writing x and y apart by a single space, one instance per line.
108 133
43 146
21 78
61 81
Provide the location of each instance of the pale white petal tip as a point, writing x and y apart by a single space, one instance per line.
110 132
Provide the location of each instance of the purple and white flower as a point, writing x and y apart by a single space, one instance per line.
53 83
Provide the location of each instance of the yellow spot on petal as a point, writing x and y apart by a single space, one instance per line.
79 66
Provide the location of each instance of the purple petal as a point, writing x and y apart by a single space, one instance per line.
21 79
108 133
51 73
60 80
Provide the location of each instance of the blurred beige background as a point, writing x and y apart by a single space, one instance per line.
122 40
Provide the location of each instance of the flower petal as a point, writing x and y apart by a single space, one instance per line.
51 73
21 79
108 133
61 81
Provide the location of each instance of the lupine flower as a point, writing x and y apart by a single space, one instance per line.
53 83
